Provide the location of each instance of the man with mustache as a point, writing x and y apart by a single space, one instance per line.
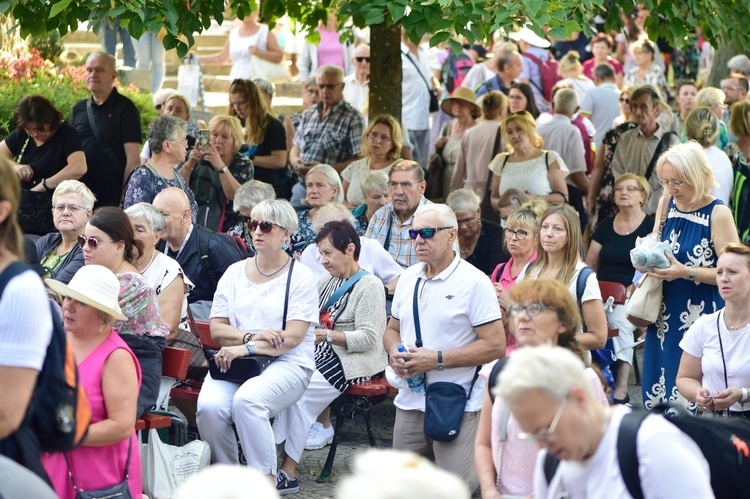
390 224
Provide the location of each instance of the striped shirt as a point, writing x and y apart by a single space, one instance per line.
335 138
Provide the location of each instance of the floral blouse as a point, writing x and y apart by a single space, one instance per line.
144 184
138 303
654 76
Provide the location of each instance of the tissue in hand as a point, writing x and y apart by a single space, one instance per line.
650 256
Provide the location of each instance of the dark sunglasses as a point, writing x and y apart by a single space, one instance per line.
93 243
426 233
624 100
265 227
360 59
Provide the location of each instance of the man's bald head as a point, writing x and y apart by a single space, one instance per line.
174 206
172 197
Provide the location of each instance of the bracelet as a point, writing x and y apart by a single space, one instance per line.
247 337
44 184
250 345
692 275
745 395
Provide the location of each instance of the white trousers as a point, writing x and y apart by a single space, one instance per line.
250 406
292 426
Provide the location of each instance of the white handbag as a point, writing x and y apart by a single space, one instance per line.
165 467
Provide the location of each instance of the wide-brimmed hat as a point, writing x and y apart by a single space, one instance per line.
460 94
92 285
529 37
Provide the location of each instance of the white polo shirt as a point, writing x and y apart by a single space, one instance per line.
451 305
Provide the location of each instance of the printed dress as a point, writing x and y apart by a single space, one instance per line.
689 235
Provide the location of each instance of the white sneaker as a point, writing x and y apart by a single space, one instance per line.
319 437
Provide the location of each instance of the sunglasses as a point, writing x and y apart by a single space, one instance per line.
624 100
361 59
265 227
93 243
426 233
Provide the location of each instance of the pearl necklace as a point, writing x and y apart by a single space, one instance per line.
735 328
272 273
153 257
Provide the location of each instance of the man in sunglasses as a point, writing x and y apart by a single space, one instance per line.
390 224
204 255
356 90
460 328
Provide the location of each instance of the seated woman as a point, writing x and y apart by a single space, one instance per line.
263 329
168 142
44 150
348 347
323 186
559 258
376 193
527 166
714 372
480 241
72 203
541 312
247 196
110 373
216 171
109 240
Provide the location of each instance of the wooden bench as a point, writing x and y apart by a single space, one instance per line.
358 398
175 363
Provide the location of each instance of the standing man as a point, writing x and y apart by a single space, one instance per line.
686 92
356 88
460 326
735 90
415 97
390 224
109 126
329 132
601 103
639 148
509 67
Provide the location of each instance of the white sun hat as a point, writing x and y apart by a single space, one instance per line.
92 285
529 37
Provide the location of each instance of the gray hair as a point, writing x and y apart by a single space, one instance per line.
99 54
463 200
374 181
162 129
330 212
74 186
147 212
330 71
552 369
444 213
279 212
251 193
739 64
604 71
334 180
709 96
265 85
566 101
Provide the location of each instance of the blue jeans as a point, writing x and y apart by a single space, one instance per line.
110 43
420 140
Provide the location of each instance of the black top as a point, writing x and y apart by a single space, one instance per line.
118 123
614 257
274 140
489 251
49 158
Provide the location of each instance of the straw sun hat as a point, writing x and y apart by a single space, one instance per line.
464 95
95 286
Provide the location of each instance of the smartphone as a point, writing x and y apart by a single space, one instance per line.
710 396
203 139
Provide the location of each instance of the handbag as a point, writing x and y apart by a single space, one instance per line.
489 213
445 402
35 210
435 172
117 491
645 303
243 368
434 103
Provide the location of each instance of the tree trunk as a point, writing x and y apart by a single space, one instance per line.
385 70
719 69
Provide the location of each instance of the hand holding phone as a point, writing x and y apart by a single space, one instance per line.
203 139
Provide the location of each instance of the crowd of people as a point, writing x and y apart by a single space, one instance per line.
343 247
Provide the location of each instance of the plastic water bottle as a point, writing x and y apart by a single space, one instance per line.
609 307
416 383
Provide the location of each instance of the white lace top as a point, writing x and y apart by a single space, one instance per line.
529 176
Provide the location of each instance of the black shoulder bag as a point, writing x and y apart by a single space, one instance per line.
488 213
445 402
244 368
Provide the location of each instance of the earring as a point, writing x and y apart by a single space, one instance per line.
285 245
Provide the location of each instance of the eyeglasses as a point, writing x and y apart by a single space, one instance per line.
545 434
182 142
426 233
381 138
404 185
362 59
629 188
531 309
729 89
677 184
520 233
93 243
265 227
73 208
625 100
328 86
466 221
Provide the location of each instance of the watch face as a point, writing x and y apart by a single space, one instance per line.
440 367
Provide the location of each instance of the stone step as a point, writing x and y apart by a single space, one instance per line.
218 103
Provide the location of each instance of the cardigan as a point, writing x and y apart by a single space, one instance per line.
70 264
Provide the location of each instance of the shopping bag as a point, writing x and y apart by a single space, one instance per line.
165 467
189 80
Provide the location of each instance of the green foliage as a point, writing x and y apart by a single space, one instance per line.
50 47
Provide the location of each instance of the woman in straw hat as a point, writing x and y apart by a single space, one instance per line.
110 373
462 106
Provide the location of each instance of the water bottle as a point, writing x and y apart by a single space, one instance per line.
416 383
609 307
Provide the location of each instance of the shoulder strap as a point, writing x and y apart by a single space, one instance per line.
494 373
95 129
495 151
546 160
499 271
721 346
19 156
417 327
202 236
286 293
580 288
341 290
627 453
387 241
659 149
408 56
663 216
9 273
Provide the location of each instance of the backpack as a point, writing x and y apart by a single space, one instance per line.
203 235
723 442
209 196
548 70
455 69
602 357
739 200
59 412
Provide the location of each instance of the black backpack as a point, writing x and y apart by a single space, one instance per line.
739 200
203 235
723 442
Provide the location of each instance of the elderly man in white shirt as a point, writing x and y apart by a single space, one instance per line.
460 330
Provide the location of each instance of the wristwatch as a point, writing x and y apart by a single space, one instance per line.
693 273
440 366
329 337
224 170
